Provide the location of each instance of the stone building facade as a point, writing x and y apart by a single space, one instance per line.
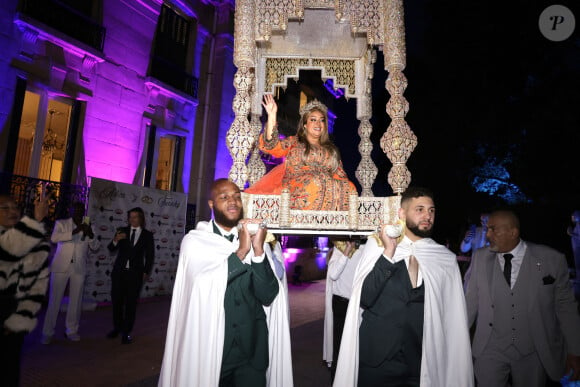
134 91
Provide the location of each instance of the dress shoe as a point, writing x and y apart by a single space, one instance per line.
126 339
72 336
113 334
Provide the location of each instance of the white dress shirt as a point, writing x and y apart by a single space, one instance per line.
406 258
137 234
341 271
518 252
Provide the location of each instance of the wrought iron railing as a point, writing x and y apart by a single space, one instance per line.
172 75
67 20
24 190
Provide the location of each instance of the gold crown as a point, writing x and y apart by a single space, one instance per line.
312 105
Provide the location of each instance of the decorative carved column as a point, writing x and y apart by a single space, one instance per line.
398 141
366 171
240 137
256 165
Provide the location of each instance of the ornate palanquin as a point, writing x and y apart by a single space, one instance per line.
273 41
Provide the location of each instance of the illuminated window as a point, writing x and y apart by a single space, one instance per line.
42 137
167 163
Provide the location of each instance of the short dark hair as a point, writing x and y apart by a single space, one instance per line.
216 183
416 192
141 213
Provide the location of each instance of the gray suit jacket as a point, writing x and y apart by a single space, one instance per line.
552 310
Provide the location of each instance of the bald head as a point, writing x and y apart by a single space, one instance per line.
509 217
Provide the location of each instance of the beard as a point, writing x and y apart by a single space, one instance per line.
221 219
414 228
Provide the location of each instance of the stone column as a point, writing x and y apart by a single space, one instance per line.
256 166
366 171
240 138
398 141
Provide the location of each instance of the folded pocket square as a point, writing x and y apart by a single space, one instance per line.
548 280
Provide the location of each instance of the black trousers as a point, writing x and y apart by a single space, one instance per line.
391 373
125 289
339 307
10 354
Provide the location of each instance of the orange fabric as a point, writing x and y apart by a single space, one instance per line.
312 183
270 183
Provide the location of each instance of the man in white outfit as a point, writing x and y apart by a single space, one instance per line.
406 321
339 277
475 237
228 323
73 239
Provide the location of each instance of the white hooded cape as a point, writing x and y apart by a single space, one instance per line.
446 360
328 334
195 331
279 372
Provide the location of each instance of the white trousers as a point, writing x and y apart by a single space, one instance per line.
58 282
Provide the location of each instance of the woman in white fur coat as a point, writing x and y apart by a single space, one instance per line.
23 280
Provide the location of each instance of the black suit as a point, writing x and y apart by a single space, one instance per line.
126 281
391 332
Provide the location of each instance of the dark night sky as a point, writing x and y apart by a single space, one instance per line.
482 76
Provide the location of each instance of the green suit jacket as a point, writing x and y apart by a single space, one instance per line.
249 288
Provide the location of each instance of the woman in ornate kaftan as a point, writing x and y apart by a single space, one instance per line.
312 169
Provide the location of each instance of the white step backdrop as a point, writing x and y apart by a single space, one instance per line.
165 212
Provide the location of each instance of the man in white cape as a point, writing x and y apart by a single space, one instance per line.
196 332
339 278
445 358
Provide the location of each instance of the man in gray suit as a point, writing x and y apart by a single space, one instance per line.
527 319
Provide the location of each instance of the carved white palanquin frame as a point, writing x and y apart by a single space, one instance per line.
275 39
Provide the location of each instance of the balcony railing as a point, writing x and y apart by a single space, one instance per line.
24 190
67 20
173 76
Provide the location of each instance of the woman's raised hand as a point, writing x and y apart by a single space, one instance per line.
270 105
42 204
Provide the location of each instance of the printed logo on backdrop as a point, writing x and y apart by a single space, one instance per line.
165 214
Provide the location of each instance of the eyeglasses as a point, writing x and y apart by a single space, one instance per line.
8 207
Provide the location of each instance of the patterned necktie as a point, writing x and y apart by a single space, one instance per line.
507 268
133 237
413 270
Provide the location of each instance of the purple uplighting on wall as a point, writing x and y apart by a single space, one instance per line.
321 260
290 255
329 85
135 85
